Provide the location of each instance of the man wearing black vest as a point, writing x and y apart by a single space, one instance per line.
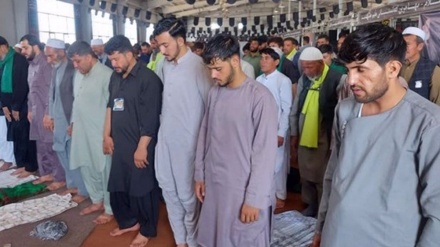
311 121
422 75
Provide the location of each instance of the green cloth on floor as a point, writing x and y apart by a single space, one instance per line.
19 192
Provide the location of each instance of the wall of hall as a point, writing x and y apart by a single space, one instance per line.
14 15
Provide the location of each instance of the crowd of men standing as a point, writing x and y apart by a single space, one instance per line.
123 126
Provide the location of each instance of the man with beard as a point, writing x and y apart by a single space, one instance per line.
311 123
98 48
39 79
236 153
130 135
87 126
186 85
156 59
254 55
381 186
57 117
14 89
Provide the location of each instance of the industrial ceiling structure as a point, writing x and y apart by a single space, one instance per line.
286 15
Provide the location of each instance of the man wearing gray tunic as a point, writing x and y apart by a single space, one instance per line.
236 153
381 186
87 127
186 85
57 118
39 79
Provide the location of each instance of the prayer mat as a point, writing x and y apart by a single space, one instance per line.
34 210
9 181
20 192
292 229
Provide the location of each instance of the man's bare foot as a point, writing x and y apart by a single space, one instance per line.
92 208
18 171
5 166
103 219
280 203
24 174
139 241
56 185
118 231
43 179
68 191
78 198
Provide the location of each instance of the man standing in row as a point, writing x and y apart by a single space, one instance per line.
281 88
372 197
130 136
236 153
39 79
186 85
87 127
311 123
57 118
422 75
98 48
14 89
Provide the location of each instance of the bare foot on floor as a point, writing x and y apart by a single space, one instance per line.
5 166
103 219
92 208
18 171
68 191
43 179
24 174
78 198
118 231
56 185
280 203
139 241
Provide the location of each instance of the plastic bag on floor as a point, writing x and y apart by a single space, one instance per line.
50 230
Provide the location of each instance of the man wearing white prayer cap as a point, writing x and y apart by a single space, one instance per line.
422 74
98 48
57 116
311 121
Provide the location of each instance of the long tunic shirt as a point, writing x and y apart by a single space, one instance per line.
88 116
281 88
236 155
381 186
186 86
39 79
138 99
56 111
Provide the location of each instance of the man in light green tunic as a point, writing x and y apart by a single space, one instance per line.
381 187
87 127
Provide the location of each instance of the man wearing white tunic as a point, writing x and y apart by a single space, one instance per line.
281 88
186 85
87 125
236 153
381 186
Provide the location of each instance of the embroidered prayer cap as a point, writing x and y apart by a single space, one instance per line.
56 43
311 54
96 42
17 45
415 31
278 50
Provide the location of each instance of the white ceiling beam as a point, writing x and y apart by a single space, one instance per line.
152 4
201 11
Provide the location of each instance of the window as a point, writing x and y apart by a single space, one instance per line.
56 20
150 30
102 26
131 31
